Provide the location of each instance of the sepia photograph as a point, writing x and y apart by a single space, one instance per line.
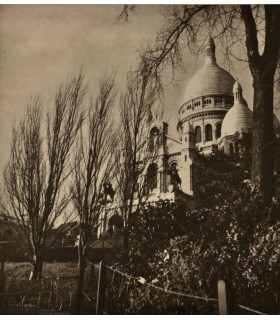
140 159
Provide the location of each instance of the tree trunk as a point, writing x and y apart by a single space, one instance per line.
79 299
81 266
37 270
263 68
262 172
37 261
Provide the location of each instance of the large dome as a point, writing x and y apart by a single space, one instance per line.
210 79
239 117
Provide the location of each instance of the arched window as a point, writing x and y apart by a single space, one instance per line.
197 103
198 134
231 149
175 178
152 177
218 100
115 225
236 147
7 235
208 132
154 138
218 130
207 101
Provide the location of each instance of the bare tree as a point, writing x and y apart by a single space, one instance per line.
255 29
39 166
136 104
94 169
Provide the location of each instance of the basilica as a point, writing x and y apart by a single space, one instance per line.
212 115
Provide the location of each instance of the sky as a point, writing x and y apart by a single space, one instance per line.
43 45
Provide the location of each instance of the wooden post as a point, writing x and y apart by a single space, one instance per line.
92 269
100 300
222 297
2 265
2 277
2 273
2 284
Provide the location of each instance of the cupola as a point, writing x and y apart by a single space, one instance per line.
239 117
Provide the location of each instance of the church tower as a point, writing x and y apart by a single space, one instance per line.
187 158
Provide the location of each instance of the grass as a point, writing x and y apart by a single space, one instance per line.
21 270
65 273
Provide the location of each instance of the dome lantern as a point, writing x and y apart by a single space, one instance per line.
237 91
209 50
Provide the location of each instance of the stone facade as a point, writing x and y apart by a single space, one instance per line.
213 116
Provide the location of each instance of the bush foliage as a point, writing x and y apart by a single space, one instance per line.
232 235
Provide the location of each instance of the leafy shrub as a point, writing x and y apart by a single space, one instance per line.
232 235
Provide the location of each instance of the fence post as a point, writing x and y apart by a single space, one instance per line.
92 269
222 297
100 300
2 281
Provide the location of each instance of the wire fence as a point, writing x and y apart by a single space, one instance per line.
120 293
130 295
45 296
107 290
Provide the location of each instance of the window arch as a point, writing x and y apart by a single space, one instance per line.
236 147
218 100
218 130
152 176
208 132
154 138
115 225
175 178
198 134
197 103
7 235
207 101
231 149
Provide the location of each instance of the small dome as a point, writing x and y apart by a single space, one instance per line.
239 117
210 79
